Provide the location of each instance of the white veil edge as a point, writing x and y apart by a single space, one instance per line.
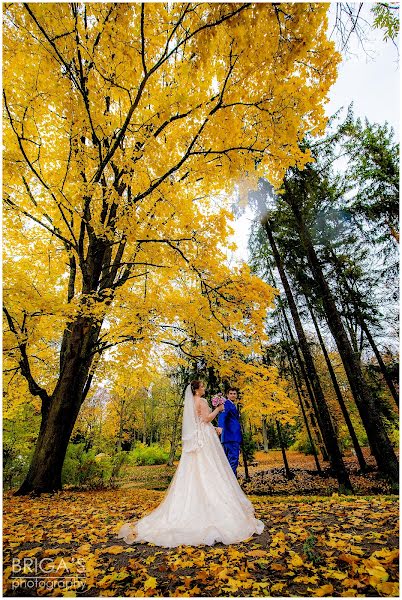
191 432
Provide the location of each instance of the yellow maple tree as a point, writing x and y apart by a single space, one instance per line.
127 128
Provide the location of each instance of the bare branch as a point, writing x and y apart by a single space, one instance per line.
34 387
53 231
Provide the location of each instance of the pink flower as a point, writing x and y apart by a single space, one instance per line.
218 399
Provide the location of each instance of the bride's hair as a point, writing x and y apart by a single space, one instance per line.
195 385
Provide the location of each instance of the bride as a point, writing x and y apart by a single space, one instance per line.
204 503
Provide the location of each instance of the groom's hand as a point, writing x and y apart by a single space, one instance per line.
219 430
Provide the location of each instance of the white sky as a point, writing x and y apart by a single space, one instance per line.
369 78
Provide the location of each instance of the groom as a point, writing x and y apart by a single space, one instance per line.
229 429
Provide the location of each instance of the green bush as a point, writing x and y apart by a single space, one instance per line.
148 455
85 469
302 443
393 435
15 466
19 438
249 446
117 461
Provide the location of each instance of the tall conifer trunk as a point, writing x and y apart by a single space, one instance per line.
314 412
301 402
380 361
334 452
380 444
349 424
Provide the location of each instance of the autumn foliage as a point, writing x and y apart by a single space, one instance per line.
128 128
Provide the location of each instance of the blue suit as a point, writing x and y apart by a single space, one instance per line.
231 438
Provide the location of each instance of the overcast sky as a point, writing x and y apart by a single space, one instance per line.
370 78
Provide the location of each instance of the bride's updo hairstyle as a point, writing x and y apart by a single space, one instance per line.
195 385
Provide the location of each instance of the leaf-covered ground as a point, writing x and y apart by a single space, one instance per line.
268 476
311 546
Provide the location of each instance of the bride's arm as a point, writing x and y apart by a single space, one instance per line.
203 412
212 415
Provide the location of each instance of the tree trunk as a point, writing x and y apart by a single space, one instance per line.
314 413
120 433
144 426
380 444
59 417
299 395
289 474
264 434
380 361
352 433
173 439
312 410
299 390
330 437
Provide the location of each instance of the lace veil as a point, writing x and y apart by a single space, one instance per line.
191 431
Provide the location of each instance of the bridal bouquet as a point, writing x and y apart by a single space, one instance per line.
218 399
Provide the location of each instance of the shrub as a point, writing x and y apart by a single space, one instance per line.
393 435
148 455
302 444
117 461
249 446
15 466
84 469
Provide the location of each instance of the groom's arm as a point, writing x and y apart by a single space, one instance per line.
222 416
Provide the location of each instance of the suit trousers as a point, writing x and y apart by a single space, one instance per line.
232 451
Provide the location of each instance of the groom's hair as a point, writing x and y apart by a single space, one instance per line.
232 389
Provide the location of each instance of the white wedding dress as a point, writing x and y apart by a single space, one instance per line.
204 503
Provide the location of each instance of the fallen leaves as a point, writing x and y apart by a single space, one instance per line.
344 546
324 590
150 583
268 476
296 560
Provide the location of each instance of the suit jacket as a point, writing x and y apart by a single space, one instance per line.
229 421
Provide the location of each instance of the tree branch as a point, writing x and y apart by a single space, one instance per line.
34 388
53 231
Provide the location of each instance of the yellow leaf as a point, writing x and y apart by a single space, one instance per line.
115 549
349 582
277 587
357 550
150 583
385 554
305 579
388 588
296 561
257 553
378 573
84 549
324 590
349 558
151 558
195 591
335 574
277 567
